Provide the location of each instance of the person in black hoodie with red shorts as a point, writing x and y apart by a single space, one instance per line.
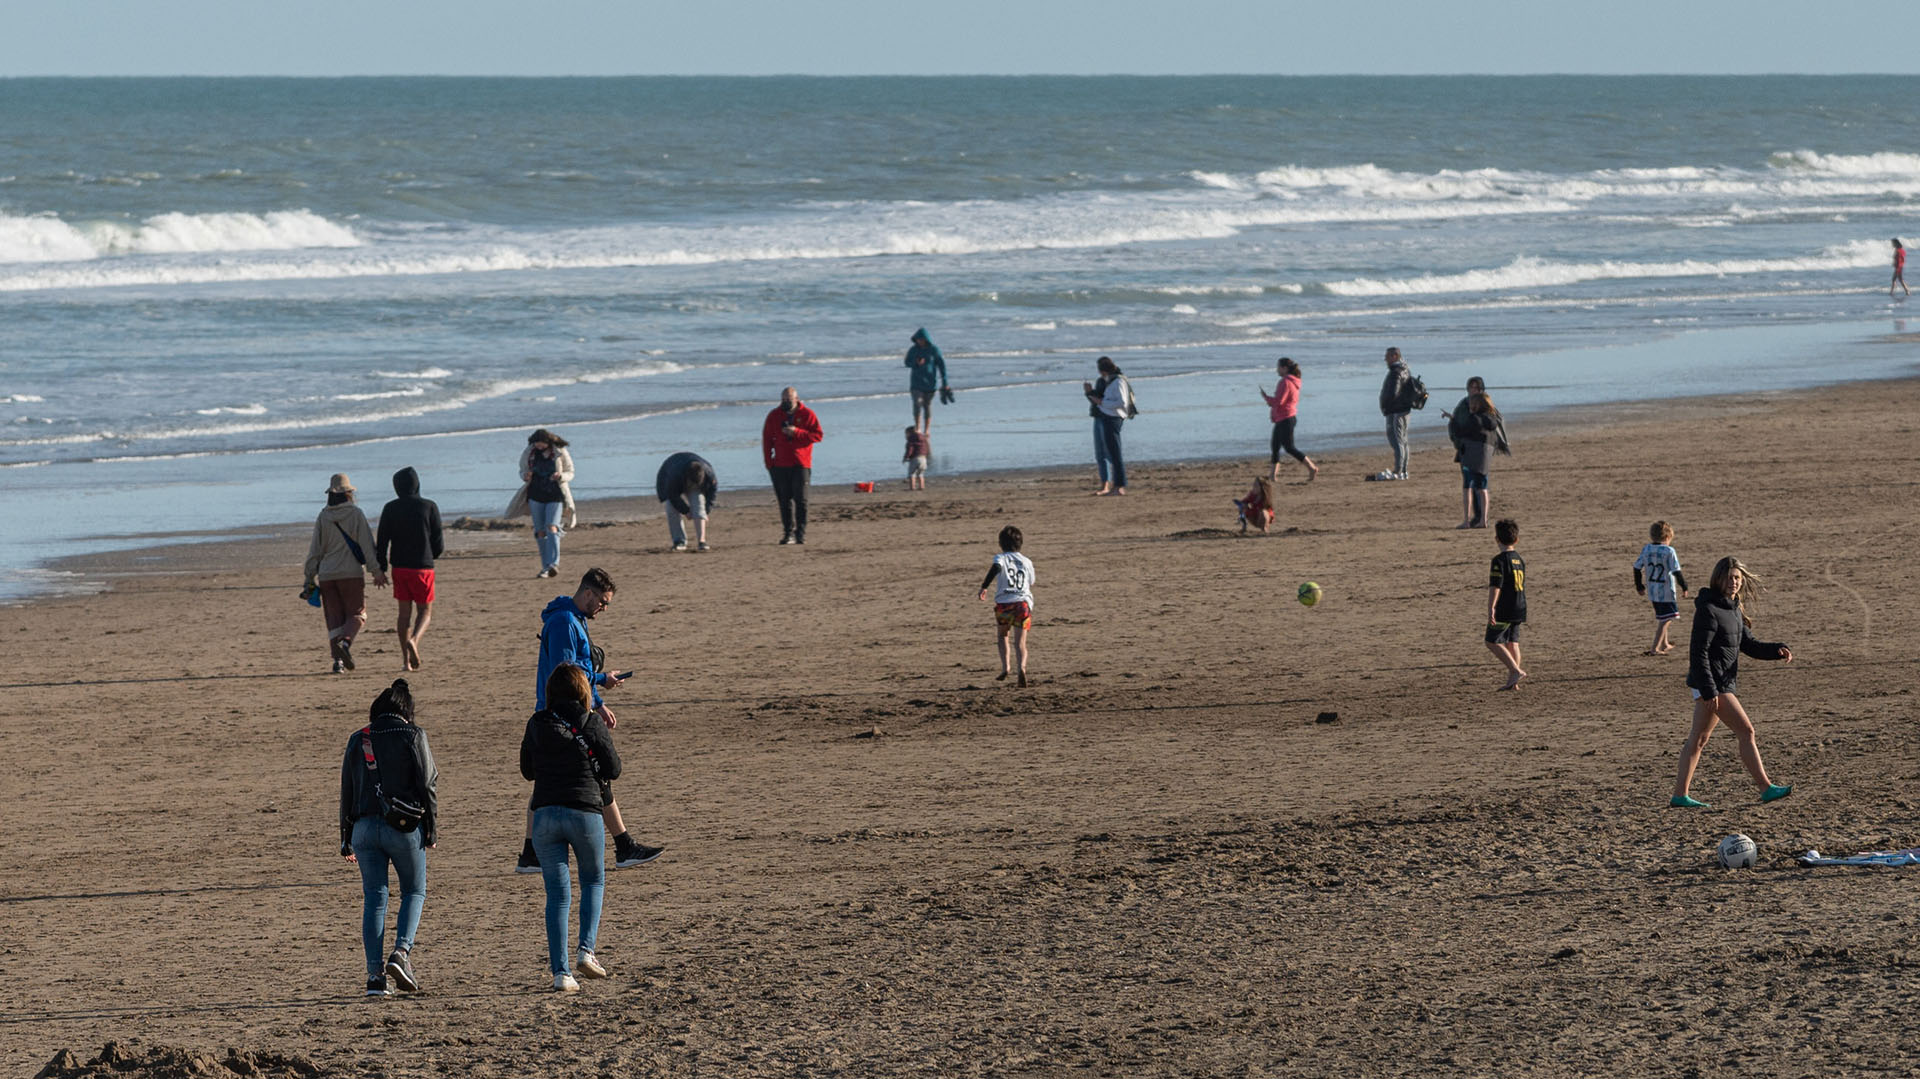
409 539
1721 635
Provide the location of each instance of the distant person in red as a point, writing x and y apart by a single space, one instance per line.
1899 268
786 441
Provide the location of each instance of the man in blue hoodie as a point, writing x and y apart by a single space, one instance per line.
928 374
564 639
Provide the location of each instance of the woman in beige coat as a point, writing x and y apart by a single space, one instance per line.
546 494
336 568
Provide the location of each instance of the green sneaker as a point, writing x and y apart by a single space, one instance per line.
1681 801
1775 793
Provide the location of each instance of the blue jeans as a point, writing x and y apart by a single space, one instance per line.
1100 448
697 504
546 531
376 843
1110 439
556 828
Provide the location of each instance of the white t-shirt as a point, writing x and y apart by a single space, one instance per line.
1015 583
1657 565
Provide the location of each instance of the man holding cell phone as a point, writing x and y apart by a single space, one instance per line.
564 639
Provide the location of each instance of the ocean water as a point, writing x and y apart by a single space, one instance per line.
218 291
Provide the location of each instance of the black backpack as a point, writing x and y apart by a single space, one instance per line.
1415 394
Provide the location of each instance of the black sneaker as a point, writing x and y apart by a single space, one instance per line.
400 973
346 653
529 861
377 986
628 853
337 668
797 538
786 540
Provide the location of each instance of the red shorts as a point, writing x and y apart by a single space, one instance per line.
412 585
1010 615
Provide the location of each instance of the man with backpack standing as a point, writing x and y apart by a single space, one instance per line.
1400 394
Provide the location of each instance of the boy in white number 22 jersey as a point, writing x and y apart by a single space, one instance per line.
1656 575
1012 601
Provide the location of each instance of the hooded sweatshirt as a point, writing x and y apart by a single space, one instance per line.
328 556
1720 636
563 639
1393 390
409 526
928 369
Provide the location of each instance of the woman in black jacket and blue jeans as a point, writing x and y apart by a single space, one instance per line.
389 756
1721 634
568 754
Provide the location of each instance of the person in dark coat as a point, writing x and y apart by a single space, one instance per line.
1722 633
409 540
568 754
389 756
688 487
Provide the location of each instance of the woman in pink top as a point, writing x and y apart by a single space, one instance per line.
1284 407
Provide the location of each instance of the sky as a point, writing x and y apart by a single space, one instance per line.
951 37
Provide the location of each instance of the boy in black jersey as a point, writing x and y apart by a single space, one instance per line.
1507 602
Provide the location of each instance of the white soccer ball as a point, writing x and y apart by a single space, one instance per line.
1738 852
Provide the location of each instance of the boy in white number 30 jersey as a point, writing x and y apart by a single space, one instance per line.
1012 601
1656 574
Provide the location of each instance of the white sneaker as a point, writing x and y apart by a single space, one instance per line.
564 983
1399 475
589 966
1384 476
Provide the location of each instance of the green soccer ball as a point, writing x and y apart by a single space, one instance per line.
1309 594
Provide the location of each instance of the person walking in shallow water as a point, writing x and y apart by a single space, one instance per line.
927 375
1899 268
1111 400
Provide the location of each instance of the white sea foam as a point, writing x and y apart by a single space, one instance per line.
1039 326
46 238
1529 272
407 391
233 410
21 399
1092 322
1880 164
430 372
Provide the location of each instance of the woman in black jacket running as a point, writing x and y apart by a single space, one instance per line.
390 757
1721 634
568 754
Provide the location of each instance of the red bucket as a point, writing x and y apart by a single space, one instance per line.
864 486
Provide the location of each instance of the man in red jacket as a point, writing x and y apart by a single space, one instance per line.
786 441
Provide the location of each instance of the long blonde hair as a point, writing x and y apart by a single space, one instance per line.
1749 584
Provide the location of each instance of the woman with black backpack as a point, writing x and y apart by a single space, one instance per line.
569 755
388 814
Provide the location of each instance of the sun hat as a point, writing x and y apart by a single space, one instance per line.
340 484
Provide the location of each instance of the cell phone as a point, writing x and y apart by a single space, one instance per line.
624 675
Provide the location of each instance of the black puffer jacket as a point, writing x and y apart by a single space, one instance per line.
1719 639
406 772
564 773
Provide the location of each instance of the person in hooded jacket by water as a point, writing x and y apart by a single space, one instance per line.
927 375
337 561
389 757
407 543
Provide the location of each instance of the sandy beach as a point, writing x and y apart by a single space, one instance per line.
1154 861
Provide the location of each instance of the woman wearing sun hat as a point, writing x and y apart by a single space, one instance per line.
337 561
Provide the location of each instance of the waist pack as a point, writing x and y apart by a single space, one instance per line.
401 814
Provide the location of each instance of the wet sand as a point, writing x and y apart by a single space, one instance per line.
1154 861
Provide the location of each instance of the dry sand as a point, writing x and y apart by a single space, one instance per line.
1153 862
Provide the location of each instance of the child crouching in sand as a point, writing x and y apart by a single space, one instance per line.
1013 601
1257 508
